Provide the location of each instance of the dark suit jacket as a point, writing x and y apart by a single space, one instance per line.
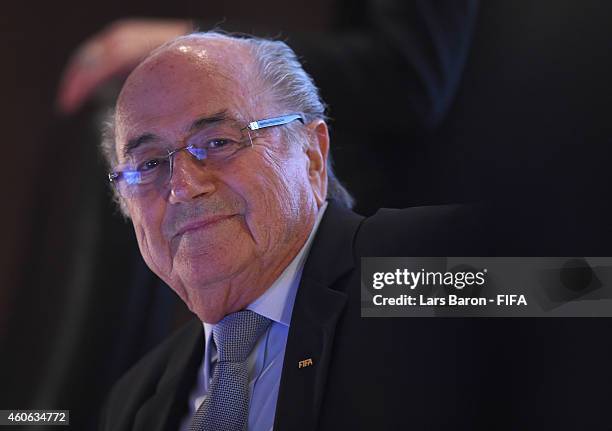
367 373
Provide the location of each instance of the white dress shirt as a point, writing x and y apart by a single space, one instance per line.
265 361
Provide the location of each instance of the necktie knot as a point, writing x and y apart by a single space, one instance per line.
236 334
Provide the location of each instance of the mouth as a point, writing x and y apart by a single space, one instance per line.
202 224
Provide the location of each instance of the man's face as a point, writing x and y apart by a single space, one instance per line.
218 235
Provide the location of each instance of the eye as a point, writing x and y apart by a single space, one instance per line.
218 143
150 164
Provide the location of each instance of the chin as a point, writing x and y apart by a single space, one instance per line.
209 268
216 242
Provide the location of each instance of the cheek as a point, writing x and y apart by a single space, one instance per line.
291 185
153 247
275 194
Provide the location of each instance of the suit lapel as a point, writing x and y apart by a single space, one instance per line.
166 408
317 309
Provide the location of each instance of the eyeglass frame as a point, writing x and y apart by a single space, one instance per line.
115 176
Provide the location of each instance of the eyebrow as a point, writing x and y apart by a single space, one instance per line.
198 124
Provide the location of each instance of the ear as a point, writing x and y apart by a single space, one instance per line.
317 153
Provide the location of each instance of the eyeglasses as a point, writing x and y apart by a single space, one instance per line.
150 169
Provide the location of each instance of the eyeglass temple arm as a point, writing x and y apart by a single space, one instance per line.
276 121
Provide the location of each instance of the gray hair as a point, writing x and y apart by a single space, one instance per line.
280 70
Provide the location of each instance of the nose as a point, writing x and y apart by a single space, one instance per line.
190 179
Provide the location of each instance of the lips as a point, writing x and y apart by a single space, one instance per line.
203 223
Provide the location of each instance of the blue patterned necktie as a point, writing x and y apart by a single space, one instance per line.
226 408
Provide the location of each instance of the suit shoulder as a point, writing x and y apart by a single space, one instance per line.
141 381
155 361
442 230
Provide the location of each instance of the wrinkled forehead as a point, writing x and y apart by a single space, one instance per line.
186 81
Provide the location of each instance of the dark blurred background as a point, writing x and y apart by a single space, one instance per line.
506 102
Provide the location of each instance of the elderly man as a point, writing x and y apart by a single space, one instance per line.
220 158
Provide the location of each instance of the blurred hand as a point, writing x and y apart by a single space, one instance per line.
112 53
